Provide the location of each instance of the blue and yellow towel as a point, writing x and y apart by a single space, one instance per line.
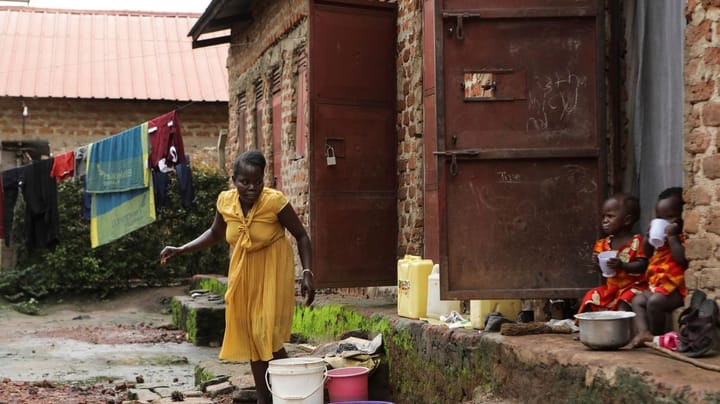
118 180
119 163
115 214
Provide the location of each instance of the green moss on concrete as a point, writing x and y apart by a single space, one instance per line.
213 285
177 313
191 325
417 377
327 322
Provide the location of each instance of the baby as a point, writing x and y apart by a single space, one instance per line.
665 272
619 214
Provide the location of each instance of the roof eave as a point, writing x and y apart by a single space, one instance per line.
219 15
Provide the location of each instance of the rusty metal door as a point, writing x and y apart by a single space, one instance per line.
353 143
521 156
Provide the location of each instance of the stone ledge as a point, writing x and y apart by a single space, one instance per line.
201 318
435 363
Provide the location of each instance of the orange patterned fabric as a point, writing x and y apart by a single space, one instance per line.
664 274
623 287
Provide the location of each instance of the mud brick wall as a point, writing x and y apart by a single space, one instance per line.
275 44
410 127
702 142
69 123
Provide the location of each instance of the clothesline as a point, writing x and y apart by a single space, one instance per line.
119 172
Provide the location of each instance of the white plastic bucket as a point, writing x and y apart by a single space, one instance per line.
296 380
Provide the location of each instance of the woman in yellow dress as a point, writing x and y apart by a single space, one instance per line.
260 297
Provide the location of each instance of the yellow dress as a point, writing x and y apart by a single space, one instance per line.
260 297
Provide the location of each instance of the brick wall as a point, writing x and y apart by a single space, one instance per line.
410 127
70 123
273 44
702 159
277 39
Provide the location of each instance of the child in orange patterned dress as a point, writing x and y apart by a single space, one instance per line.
619 214
665 272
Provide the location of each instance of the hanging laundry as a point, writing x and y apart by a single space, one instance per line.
42 222
42 219
2 203
116 214
80 162
161 183
119 182
12 181
64 166
185 183
118 163
166 144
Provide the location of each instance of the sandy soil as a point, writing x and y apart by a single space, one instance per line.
86 351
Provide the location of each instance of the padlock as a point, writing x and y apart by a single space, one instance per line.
331 161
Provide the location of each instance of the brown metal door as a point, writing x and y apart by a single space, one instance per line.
521 161
353 198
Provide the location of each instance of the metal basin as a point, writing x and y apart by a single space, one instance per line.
605 329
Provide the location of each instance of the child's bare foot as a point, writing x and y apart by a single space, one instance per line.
640 339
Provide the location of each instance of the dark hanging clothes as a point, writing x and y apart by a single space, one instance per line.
87 200
2 201
161 181
42 220
39 189
185 182
12 180
160 187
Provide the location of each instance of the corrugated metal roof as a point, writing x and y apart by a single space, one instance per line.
107 54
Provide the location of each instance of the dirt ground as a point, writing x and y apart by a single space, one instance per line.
86 351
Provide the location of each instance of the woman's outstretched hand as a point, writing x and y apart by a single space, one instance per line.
169 252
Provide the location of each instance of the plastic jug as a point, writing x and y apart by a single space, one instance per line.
412 286
435 306
510 308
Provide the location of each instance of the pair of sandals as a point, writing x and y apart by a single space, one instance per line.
698 332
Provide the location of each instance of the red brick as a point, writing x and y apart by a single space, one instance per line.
711 114
700 92
698 195
698 249
711 56
713 223
711 166
693 118
691 70
697 141
691 221
697 33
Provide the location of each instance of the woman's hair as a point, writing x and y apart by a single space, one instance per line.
251 158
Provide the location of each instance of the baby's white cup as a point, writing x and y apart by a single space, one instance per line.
657 232
603 258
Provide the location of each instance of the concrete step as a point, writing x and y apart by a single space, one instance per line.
201 316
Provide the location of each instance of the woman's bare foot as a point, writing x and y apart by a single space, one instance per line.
640 339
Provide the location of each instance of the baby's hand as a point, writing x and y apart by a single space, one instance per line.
672 229
614 263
